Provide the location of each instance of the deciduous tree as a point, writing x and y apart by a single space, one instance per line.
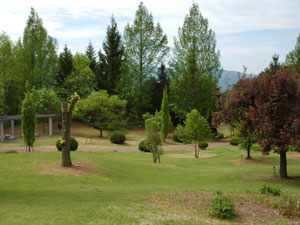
153 136
195 66
145 48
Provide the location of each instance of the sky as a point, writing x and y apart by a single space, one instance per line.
247 32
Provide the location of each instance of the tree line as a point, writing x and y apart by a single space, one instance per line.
134 66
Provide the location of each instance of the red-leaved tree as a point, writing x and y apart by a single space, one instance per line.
269 106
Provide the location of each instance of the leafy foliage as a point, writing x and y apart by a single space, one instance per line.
195 66
270 190
117 137
45 101
145 48
28 120
222 207
110 61
82 79
234 141
73 144
203 145
153 136
293 58
165 116
144 146
103 111
196 129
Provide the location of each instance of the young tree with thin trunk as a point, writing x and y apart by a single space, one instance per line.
153 136
28 120
68 110
165 115
196 129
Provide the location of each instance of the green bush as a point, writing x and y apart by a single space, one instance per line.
73 145
220 136
117 137
144 146
270 190
222 207
234 141
175 137
203 145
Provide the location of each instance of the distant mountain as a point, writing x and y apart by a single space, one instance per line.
228 78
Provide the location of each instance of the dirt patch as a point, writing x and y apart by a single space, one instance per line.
249 208
254 162
78 169
191 156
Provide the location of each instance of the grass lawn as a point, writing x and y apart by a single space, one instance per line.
127 188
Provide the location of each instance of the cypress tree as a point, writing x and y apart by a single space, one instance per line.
28 120
166 118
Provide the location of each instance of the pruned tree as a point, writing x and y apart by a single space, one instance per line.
153 136
68 109
165 116
28 120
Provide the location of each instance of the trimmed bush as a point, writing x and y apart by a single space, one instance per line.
220 136
144 146
175 137
222 207
203 145
73 144
117 137
234 141
266 190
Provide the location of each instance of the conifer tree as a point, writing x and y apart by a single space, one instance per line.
165 114
146 46
195 66
110 61
65 69
91 55
28 120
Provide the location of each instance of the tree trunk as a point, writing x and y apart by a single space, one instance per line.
283 164
43 122
248 152
66 122
101 133
196 152
66 127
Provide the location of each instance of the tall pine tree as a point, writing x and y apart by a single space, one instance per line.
146 46
65 69
91 55
110 60
195 66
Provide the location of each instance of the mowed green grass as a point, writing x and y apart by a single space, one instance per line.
121 187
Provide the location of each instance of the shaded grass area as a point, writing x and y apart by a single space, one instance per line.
127 188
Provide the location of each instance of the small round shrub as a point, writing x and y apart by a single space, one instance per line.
220 136
234 141
73 145
144 146
203 145
222 207
175 137
117 137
